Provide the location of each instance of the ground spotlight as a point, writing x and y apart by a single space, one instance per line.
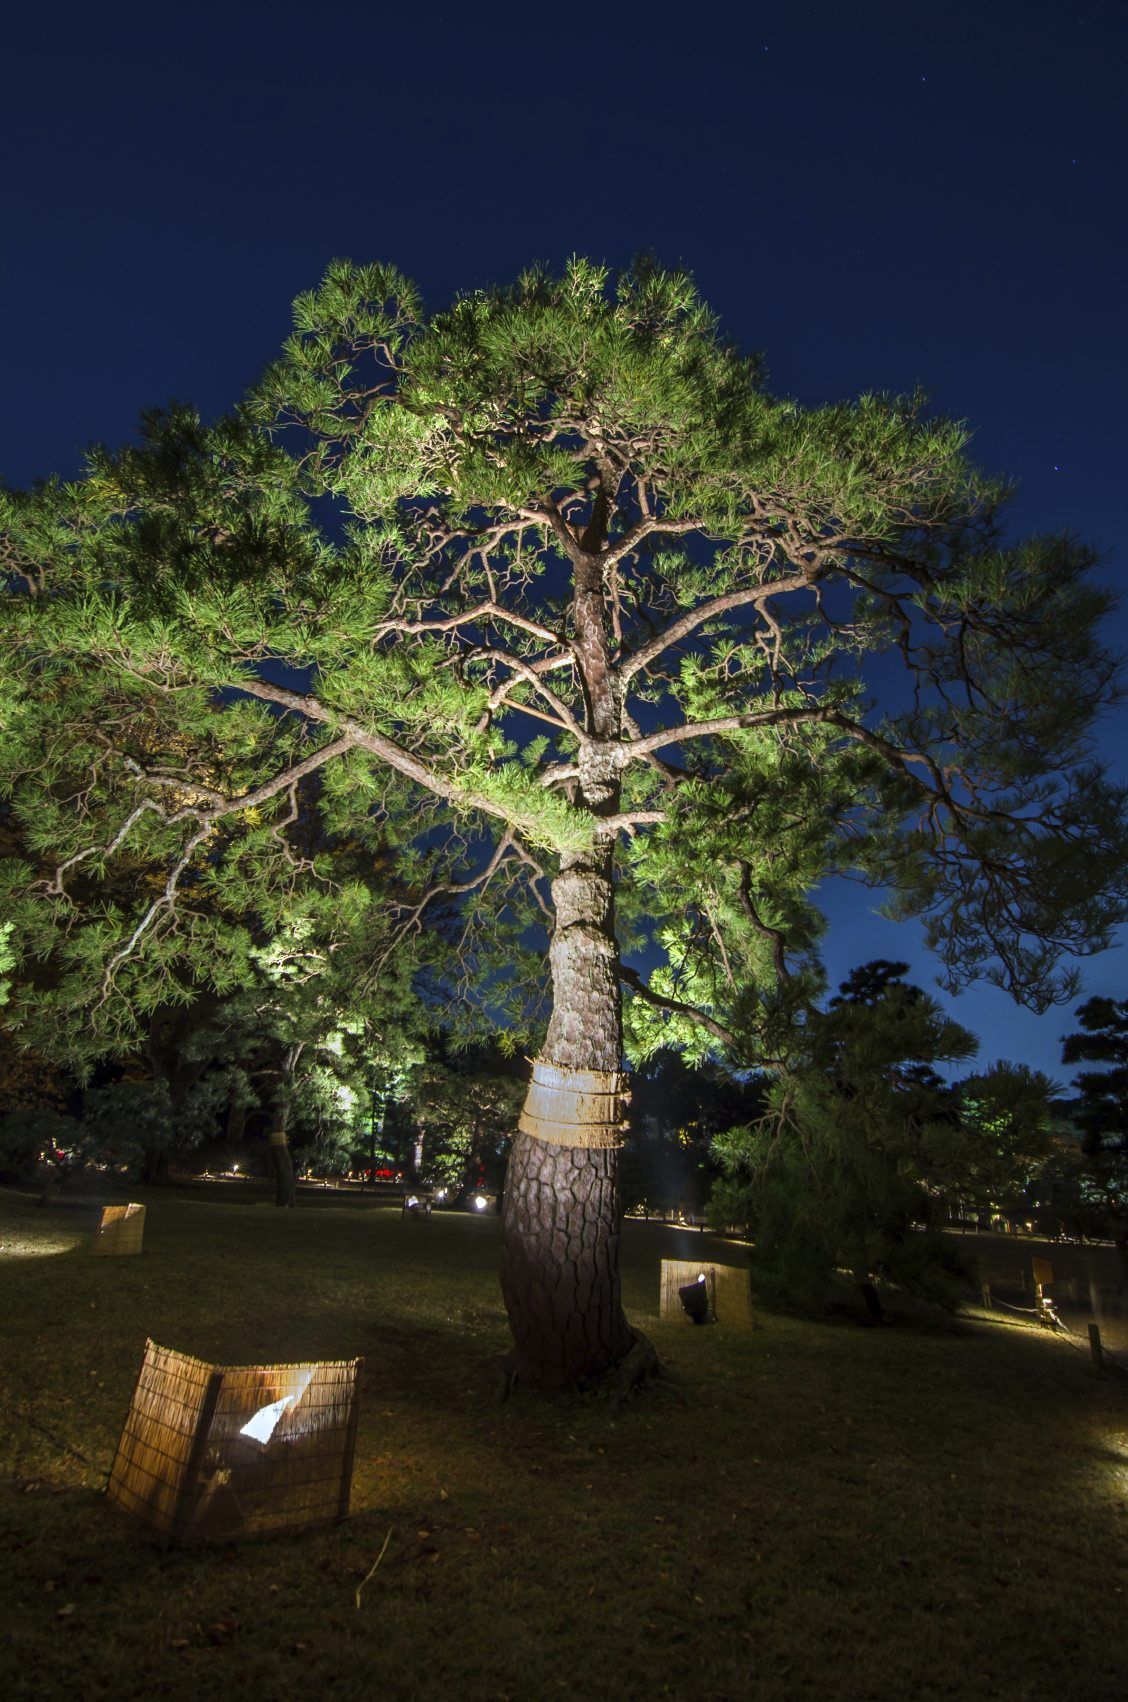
695 1298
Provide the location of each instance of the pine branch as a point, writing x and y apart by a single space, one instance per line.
630 978
648 527
208 819
219 807
632 662
450 790
562 716
628 820
488 609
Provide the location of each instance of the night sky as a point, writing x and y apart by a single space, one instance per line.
874 194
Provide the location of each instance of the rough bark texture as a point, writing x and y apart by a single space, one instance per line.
285 1190
560 1266
561 1216
560 1260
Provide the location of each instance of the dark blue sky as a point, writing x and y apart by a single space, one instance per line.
875 194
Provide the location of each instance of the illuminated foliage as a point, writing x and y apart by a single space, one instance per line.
860 1141
754 554
545 597
458 1111
1010 1111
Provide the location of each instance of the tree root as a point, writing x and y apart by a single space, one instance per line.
639 1367
506 1379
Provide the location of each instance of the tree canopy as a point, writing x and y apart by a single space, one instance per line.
365 571
549 610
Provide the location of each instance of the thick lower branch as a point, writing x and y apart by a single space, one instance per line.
631 978
450 790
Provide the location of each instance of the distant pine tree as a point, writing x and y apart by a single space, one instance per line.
1101 1110
861 1140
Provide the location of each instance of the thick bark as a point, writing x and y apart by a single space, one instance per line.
560 1263
561 1216
285 1191
560 1260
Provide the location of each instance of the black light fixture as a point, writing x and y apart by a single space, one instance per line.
695 1298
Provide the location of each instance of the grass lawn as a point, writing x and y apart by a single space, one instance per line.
934 1509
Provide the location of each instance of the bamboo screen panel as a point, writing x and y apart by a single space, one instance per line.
211 1452
120 1231
730 1289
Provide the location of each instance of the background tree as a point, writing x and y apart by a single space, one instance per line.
861 1139
1100 1114
676 1111
35 1142
458 1109
300 1044
561 604
1012 1115
166 1059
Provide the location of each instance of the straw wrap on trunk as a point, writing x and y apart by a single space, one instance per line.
577 1108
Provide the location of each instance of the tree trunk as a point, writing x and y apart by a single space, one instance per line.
560 1215
154 1167
560 1258
874 1312
285 1192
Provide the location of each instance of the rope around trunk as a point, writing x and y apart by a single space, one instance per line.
577 1108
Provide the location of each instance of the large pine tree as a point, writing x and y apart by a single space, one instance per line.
559 601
